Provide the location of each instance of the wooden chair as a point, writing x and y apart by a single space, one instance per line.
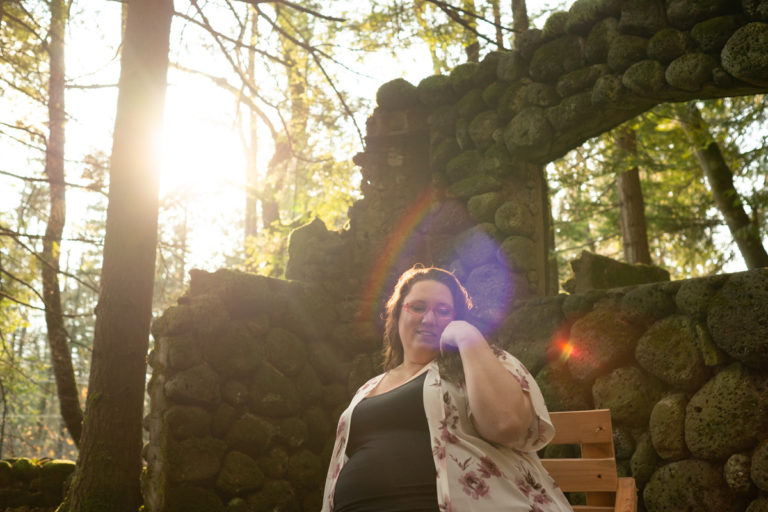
595 472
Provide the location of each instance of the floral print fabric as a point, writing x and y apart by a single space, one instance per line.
473 475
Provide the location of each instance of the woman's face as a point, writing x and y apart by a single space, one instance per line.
426 311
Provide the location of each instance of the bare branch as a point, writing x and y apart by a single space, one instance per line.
296 7
45 180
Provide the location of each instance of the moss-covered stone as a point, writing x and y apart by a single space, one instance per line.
571 111
540 95
463 165
644 461
54 474
561 392
667 427
272 393
736 318
759 466
511 67
642 17
484 129
441 152
188 498
529 128
557 57
197 385
24 469
183 421
514 218
602 340
668 44
175 320
326 361
474 185
684 14
491 289
183 351
711 353
5 473
669 350
250 434
624 444
736 472
512 100
760 504
450 217
727 414
442 121
485 72
582 15
647 303
235 392
436 90
462 77
239 474
275 495
482 207
628 393
579 80
319 426
236 352
555 25
690 485
195 459
304 470
285 351
308 385
712 34
477 245
528 42
492 93
518 252
757 10
645 78
471 104
625 51
397 94
274 463
600 39
690 71
223 418
498 162
693 296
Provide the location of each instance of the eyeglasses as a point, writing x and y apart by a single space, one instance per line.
441 311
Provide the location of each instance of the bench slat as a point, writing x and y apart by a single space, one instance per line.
572 427
583 474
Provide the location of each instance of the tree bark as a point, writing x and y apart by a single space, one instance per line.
251 170
719 175
497 23
109 462
471 44
61 357
519 18
634 231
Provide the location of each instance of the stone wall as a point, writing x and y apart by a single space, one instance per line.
250 375
27 484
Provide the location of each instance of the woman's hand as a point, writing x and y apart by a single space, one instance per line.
459 334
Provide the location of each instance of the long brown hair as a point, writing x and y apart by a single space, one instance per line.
393 345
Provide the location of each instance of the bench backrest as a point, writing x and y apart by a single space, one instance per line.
595 472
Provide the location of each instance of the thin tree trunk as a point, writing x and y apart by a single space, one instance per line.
634 232
109 462
745 233
471 44
251 170
497 23
519 18
61 357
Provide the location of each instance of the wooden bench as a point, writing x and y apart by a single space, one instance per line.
595 472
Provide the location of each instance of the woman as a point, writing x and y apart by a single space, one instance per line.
431 434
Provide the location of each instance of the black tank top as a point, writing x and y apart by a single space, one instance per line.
390 467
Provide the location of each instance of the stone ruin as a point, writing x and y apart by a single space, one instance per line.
251 373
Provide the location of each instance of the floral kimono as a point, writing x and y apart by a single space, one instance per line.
473 475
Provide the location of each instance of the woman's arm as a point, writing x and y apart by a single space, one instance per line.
501 410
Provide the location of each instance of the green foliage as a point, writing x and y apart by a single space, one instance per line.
686 233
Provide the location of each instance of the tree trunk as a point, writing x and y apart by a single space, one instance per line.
471 44
251 169
497 24
519 18
109 463
634 233
745 233
61 357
